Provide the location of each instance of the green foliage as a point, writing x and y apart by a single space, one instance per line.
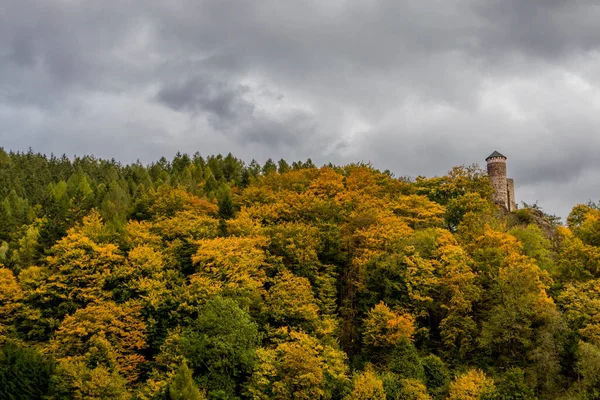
392 384
513 386
75 380
226 207
183 386
269 168
437 374
27 248
405 361
275 280
397 388
588 368
220 346
524 216
535 245
24 373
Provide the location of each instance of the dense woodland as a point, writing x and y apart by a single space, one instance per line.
209 278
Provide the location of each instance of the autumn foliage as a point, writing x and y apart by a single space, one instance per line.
208 278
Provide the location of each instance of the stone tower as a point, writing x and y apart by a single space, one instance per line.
504 188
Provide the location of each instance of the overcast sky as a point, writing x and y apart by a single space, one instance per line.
411 86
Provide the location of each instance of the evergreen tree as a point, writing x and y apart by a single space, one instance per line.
283 166
226 206
24 373
269 167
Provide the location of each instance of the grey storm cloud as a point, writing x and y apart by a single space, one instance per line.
411 86
228 111
217 98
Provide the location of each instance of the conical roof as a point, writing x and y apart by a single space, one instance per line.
495 154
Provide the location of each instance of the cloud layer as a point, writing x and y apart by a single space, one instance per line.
414 87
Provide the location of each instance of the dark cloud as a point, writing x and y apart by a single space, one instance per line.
229 109
220 99
544 28
414 87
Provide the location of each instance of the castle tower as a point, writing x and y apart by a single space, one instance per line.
504 189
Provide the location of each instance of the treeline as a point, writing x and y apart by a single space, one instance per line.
208 278
62 191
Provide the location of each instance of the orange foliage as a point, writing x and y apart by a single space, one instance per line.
384 327
165 201
101 332
10 297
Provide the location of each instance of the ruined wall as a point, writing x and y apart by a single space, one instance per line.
511 195
496 167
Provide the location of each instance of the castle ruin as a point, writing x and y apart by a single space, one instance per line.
504 188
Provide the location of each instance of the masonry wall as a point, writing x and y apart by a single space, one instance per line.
511 195
496 168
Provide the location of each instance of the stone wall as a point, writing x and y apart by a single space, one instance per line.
512 205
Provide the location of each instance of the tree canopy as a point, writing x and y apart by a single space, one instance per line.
205 277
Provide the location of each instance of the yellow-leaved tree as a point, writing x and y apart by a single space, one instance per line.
10 299
413 389
238 263
103 334
576 261
457 290
385 328
366 386
472 385
79 266
515 297
300 367
580 303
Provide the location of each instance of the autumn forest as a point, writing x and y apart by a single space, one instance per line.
210 278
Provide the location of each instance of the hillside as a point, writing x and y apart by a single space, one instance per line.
208 278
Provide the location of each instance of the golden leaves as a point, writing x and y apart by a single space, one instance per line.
166 201
103 332
367 386
418 211
473 385
300 367
10 297
79 265
236 262
384 327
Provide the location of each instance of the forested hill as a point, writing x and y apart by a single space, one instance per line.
207 278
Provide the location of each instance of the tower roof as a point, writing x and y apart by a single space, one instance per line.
495 154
